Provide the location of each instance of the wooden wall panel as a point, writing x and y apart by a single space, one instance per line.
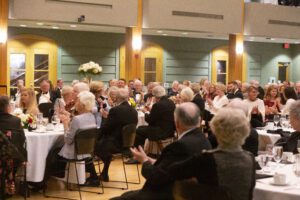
3 47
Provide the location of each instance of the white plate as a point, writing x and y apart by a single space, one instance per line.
278 184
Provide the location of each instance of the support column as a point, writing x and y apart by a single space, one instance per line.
236 57
3 46
133 56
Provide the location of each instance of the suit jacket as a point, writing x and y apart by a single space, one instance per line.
162 116
57 93
118 117
192 142
290 144
53 96
237 94
11 123
251 143
198 100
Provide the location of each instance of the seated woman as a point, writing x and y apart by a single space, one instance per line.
227 167
28 102
66 102
290 96
290 144
219 101
272 102
256 107
84 120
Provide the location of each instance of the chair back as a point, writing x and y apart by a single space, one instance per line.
85 141
128 134
46 109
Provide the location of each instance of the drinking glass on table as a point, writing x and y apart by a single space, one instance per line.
297 169
55 120
298 146
276 120
277 154
263 161
269 150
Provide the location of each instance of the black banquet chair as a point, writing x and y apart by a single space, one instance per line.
84 144
47 109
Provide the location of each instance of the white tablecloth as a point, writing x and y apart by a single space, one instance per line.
264 190
141 119
38 147
265 138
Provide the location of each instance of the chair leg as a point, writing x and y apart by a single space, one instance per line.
78 185
138 173
101 183
68 175
125 172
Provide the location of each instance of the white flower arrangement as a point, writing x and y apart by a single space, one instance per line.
90 68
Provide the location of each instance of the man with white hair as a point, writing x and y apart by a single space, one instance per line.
79 87
191 141
160 119
138 91
261 91
173 91
111 141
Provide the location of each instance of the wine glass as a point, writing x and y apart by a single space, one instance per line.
55 120
277 154
269 150
263 161
297 169
276 120
298 146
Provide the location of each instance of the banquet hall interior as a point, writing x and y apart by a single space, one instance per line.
150 99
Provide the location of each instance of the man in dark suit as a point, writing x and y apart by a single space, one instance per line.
160 119
191 140
46 95
198 100
111 131
290 144
11 125
234 91
59 86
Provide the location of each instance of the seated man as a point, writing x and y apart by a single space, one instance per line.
11 125
111 140
191 140
46 95
290 143
160 119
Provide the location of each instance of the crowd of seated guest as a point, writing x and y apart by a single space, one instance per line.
85 105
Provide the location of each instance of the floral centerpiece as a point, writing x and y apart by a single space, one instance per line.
132 102
27 121
90 68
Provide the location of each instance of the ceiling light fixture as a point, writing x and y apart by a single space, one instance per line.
23 25
73 26
164 34
159 31
55 27
184 33
40 23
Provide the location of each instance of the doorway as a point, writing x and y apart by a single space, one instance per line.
220 65
283 71
31 58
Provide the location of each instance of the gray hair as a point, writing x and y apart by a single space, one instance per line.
238 103
295 110
231 127
87 99
122 95
187 94
66 90
195 87
81 87
188 114
159 91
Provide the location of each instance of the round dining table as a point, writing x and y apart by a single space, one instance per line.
38 144
265 189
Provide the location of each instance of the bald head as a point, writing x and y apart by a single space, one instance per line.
187 115
237 103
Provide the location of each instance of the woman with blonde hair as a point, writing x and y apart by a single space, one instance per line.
28 102
272 102
219 101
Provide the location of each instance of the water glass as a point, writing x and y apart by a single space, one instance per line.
297 169
263 161
298 146
269 149
276 120
277 153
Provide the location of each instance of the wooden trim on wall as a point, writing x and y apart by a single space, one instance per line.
3 47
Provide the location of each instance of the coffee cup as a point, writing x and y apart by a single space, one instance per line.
279 178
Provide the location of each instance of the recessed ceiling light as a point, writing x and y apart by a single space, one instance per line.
184 33
55 27
40 23
164 34
23 25
297 42
159 31
73 26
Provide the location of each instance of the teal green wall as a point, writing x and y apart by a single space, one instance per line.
76 48
296 62
183 58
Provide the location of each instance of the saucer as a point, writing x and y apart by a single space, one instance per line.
278 184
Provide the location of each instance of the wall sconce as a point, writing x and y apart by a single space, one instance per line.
3 36
239 49
137 42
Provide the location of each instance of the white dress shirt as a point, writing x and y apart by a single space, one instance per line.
45 98
257 103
